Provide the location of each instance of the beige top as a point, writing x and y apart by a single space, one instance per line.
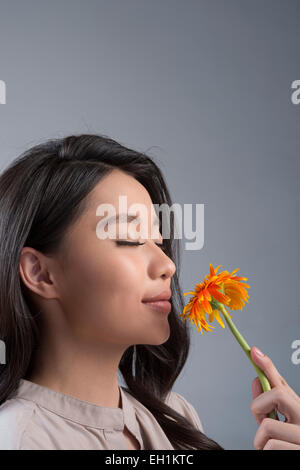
37 417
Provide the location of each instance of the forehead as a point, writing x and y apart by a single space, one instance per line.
116 185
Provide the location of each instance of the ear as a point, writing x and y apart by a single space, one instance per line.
35 272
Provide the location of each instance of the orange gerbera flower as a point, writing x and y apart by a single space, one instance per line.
211 295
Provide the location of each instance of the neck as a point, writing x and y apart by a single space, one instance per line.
85 371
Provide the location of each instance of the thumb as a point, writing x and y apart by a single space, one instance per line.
256 388
256 391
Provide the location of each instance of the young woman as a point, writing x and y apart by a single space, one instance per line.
73 310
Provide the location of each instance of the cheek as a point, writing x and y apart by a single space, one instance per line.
104 291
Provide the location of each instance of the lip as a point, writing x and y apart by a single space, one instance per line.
160 305
164 295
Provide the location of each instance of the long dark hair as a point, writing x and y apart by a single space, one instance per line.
42 193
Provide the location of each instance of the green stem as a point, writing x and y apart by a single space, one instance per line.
261 375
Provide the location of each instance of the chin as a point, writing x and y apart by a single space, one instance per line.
158 339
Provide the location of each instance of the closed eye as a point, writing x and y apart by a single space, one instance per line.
125 242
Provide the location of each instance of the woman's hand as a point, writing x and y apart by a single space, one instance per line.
274 434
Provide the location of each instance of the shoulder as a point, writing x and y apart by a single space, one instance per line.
173 400
15 415
176 401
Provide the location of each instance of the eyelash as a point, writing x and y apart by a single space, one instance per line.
122 242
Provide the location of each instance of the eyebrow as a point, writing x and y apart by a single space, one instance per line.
124 217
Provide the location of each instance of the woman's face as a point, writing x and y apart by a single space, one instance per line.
102 284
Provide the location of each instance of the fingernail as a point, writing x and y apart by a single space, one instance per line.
258 352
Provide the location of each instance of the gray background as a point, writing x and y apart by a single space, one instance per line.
205 88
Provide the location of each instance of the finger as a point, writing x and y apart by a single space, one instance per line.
274 377
256 391
256 387
274 444
267 367
271 429
278 398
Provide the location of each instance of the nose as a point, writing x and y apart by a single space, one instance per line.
170 268
161 265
